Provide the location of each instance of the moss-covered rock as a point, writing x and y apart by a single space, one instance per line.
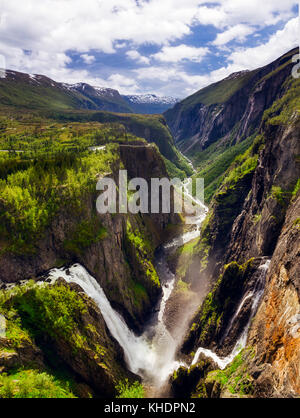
61 328
188 382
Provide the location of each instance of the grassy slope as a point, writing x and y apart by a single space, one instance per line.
21 93
214 162
218 92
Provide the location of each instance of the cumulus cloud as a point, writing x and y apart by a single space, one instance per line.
88 59
181 53
228 13
243 59
136 56
277 45
38 36
237 32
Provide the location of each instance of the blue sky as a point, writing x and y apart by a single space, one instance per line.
166 47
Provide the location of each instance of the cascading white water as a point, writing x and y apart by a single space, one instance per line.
242 341
153 355
137 351
152 359
197 222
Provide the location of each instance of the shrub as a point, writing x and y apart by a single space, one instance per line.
32 384
126 390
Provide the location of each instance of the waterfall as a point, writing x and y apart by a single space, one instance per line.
242 341
152 355
152 360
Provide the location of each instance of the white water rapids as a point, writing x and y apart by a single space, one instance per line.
143 356
197 221
153 355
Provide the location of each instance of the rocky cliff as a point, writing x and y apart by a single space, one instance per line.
124 269
254 217
230 110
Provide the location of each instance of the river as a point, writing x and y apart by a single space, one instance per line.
152 355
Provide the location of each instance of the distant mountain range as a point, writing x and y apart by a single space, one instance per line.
149 103
38 91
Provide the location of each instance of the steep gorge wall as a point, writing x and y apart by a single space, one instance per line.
125 273
205 118
255 216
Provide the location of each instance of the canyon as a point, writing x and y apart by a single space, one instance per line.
207 310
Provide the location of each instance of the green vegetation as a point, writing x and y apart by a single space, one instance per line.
297 223
33 384
173 171
139 241
130 391
281 111
31 196
86 233
182 259
49 310
220 92
21 92
150 127
221 301
296 189
33 311
140 250
215 161
234 378
58 322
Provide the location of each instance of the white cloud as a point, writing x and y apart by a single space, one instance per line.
237 32
88 59
124 84
181 53
36 36
227 13
136 56
245 58
278 44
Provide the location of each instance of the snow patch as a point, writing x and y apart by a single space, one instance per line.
152 99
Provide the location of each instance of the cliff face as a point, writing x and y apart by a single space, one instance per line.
254 217
230 110
275 333
258 226
124 270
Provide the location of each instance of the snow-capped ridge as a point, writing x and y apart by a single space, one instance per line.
152 99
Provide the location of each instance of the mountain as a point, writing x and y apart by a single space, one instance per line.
229 110
110 305
216 124
37 91
22 93
150 103
246 329
103 98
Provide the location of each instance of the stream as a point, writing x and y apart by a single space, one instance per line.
152 355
